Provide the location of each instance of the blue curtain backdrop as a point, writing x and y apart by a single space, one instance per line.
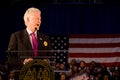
61 19
75 18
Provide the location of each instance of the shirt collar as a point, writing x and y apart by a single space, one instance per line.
29 32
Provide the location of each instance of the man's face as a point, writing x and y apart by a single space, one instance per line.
35 21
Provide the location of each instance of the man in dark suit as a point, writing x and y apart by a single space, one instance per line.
21 48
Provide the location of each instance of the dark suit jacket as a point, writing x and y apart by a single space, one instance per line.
20 47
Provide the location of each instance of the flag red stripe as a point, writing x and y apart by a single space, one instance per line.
112 64
99 45
106 64
95 36
93 55
104 48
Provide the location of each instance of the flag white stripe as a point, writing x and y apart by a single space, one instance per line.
100 60
105 45
94 40
94 50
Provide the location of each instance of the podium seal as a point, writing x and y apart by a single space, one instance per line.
37 70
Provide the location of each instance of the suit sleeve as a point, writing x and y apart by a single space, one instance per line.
13 42
13 57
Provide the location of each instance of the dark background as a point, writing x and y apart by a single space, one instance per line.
60 17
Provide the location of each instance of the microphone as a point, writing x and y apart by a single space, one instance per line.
35 28
40 37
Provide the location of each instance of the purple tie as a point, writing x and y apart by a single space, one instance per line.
35 44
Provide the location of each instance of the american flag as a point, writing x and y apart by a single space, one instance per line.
101 48
60 48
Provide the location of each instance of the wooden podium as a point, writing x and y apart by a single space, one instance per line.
37 70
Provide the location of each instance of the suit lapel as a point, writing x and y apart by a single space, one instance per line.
26 40
40 41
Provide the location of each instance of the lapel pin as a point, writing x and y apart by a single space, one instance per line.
45 43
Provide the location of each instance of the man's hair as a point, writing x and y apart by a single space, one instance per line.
29 11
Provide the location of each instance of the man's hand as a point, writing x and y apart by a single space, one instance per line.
27 60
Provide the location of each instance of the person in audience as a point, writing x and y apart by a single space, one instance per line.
1 77
57 66
72 63
75 71
62 66
11 75
106 77
82 67
63 76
